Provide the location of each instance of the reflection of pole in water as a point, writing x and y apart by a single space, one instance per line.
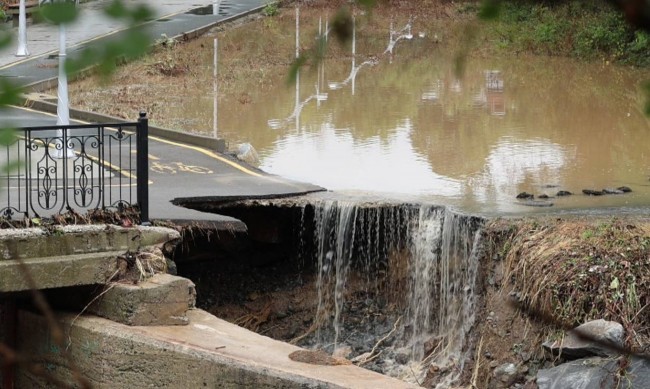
216 4
396 36
318 96
355 69
354 50
298 70
214 89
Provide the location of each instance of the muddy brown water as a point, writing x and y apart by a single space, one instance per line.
406 125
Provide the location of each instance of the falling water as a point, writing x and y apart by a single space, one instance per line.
414 262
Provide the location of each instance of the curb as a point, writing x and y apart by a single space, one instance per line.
218 145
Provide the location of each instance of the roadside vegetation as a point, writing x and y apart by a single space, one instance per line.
577 28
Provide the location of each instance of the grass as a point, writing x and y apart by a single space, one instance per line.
578 28
577 270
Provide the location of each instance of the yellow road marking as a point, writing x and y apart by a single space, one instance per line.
207 152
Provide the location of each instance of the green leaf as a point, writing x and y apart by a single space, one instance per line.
489 9
342 25
10 94
59 13
135 43
614 284
12 166
367 3
5 37
7 136
646 92
142 13
116 10
295 68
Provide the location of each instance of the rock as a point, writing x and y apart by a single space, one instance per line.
525 195
543 196
563 193
506 374
591 192
342 352
612 191
402 358
594 372
536 203
599 332
247 153
624 189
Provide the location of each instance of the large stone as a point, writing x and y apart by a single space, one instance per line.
589 339
506 375
595 372
160 300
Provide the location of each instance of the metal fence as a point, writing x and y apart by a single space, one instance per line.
50 170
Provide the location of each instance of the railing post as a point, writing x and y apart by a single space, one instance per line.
142 145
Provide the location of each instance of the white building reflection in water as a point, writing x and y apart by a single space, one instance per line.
335 160
513 163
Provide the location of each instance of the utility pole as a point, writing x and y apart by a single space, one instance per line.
62 106
22 31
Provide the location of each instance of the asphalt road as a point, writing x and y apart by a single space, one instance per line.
188 174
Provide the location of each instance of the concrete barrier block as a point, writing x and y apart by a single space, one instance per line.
160 300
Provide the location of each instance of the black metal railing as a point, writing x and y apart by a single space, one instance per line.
55 169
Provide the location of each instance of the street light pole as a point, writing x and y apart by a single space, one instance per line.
22 31
62 106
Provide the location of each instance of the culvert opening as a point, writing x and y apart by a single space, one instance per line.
389 286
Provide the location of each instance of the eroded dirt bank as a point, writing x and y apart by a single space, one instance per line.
536 278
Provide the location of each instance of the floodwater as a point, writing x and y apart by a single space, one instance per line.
405 125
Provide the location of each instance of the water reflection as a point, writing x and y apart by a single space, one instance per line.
412 127
343 163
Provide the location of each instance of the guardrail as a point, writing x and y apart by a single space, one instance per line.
55 169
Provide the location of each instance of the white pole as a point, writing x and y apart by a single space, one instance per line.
298 71
214 87
62 106
354 51
22 31
320 65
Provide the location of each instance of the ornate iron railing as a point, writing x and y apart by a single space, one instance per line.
54 169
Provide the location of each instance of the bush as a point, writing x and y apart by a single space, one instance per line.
271 9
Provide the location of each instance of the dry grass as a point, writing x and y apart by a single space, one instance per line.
578 270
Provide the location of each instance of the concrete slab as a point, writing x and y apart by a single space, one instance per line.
80 239
208 352
58 271
161 300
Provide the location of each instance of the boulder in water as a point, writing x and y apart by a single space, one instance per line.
592 192
612 191
247 153
563 193
525 195
624 189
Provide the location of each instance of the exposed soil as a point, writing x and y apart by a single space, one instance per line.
278 298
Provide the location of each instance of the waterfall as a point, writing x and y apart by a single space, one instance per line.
416 264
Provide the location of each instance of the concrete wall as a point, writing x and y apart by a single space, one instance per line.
207 353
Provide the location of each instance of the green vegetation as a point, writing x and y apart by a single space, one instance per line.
580 28
271 9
